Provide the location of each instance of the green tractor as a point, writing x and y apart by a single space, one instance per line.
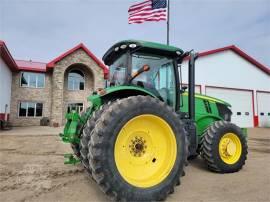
139 131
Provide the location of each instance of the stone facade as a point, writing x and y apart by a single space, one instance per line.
61 95
19 94
78 96
55 96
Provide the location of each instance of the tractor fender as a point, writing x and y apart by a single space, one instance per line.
205 121
119 92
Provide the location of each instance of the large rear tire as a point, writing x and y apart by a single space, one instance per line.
138 150
86 135
224 147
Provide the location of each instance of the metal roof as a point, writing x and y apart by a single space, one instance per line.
241 53
157 48
31 65
7 57
17 65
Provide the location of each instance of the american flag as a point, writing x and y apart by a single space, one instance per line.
149 10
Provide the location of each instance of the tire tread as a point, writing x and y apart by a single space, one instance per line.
209 141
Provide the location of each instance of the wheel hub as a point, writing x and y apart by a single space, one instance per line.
230 148
137 146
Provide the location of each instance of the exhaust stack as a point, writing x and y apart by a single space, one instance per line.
191 85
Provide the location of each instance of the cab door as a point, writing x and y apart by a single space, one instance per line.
165 83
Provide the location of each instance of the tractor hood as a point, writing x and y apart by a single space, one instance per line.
130 90
211 99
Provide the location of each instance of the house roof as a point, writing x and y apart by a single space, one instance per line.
31 65
17 65
240 53
7 57
87 51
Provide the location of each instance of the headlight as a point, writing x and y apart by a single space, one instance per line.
224 112
123 46
227 117
178 52
133 45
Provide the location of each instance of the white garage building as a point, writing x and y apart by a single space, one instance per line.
7 65
233 76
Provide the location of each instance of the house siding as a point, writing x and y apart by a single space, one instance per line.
20 94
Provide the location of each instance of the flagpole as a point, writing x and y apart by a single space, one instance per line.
168 23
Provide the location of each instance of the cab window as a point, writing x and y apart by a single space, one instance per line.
160 79
165 83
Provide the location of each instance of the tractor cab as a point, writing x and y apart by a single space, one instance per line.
147 65
155 68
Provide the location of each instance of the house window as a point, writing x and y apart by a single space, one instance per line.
76 80
30 109
32 80
75 106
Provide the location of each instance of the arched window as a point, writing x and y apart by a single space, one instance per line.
76 80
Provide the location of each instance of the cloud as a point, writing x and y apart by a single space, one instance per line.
41 30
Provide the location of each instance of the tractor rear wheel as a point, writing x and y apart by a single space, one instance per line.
86 135
224 147
138 150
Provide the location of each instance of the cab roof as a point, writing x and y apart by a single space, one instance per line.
151 47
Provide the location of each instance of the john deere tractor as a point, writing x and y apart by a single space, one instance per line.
136 136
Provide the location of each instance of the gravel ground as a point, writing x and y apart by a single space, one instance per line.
32 169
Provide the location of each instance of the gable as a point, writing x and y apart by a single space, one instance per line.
239 52
228 69
73 50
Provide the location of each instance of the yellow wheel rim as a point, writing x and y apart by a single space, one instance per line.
230 148
145 150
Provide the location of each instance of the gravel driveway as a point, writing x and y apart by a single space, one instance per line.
32 169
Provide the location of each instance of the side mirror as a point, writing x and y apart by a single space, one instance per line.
183 89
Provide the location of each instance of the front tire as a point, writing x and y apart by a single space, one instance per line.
224 147
138 150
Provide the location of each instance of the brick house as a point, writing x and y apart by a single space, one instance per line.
51 89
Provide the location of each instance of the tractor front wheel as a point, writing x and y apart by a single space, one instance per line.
224 147
138 150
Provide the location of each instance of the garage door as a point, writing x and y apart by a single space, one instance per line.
263 101
241 102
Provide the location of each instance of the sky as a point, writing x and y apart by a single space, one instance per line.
41 30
